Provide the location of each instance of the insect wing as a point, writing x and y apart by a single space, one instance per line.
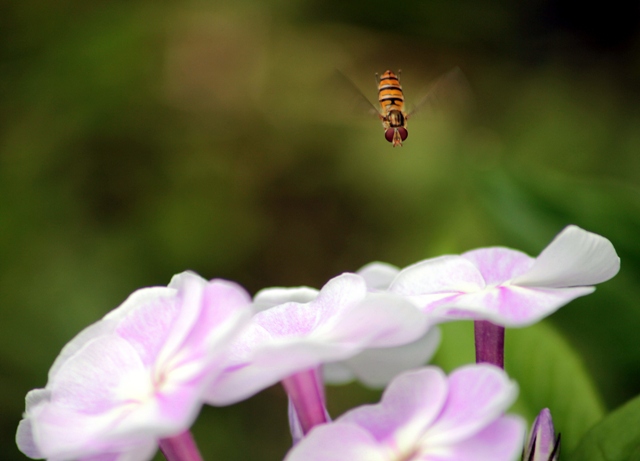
354 96
450 91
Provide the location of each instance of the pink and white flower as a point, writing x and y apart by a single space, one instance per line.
137 375
374 366
336 323
425 415
505 286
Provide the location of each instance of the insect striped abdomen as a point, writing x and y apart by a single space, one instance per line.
390 92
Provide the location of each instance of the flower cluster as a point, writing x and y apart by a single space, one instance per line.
136 380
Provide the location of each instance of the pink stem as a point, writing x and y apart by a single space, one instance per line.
307 395
180 447
489 343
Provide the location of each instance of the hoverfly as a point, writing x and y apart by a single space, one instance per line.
391 99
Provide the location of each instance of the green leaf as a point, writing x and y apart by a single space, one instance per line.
551 374
615 438
548 370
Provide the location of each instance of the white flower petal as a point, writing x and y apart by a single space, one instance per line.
270 297
377 275
269 364
25 440
190 287
478 395
574 258
61 432
380 320
341 322
498 265
444 274
509 306
142 452
106 326
501 440
410 405
337 442
376 367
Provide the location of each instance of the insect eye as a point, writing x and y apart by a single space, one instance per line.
388 134
403 133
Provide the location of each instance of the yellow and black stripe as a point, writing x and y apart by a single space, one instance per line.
390 92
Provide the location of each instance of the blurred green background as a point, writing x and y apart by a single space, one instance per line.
139 139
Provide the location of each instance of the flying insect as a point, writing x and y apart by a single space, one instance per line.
391 100
392 113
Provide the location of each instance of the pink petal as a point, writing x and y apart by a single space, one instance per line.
91 381
102 398
269 364
497 264
377 275
339 294
478 394
276 357
336 442
289 320
170 410
241 383
297 319
147 326
224 312
175 409
140 297
379 320
510 306
500 441
143 297
141 452
63 433
574 258
188 300
445 274
341 322
409 405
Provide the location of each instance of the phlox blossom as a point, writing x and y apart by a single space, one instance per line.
501 285
425 416
299 330
374 366
137 375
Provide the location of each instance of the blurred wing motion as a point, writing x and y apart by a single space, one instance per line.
451 91
391 102
358 98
